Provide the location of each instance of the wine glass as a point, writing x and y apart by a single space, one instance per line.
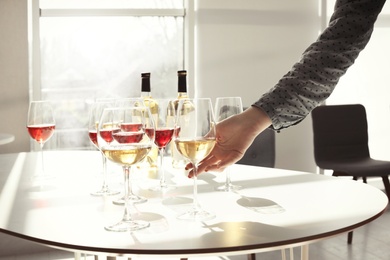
130 102
41 126
194 139
226 107
123 140
94 117
164 118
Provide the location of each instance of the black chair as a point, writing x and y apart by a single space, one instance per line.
262 150
341 144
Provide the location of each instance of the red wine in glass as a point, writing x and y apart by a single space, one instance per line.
131 127
162 136
93 137
107 134
128 137
177 131
41 133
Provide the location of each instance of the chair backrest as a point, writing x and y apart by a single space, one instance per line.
262 150
340 133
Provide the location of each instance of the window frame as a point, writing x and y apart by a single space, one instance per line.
35 13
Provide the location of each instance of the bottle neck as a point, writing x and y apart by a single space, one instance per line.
181 95
182 84
146 94
182 81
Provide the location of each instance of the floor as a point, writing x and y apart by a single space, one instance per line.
370 242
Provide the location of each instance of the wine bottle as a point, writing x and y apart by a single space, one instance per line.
150 161
178 161
146 93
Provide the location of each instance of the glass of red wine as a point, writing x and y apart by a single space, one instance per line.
93 123
164 118
40 126
122 139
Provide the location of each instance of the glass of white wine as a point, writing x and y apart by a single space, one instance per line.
123 140
194 139
132 197
226 107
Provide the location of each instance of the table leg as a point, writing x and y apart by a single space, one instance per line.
251 256
77 256
291 253
305 252
283 251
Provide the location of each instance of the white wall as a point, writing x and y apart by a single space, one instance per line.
244 47
14 74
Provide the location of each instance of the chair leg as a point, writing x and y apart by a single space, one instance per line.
251 256
386 183
350 236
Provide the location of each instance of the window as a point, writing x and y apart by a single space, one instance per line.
84 50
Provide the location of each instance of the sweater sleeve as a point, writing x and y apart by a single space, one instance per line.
312 79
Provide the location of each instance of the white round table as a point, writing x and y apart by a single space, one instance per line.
275 209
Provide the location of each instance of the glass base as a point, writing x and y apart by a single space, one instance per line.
163 187
42 177
105 192
134 199
196 215
228 187
130 225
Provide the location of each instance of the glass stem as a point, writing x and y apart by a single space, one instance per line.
104 185
43 166
161 166
227 172
126 172
130 186
195 204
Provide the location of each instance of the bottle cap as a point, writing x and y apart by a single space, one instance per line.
145 75
182 73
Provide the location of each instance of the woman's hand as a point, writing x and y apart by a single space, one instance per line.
234 136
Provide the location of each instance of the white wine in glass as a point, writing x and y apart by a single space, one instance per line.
41 126
123 140
226 107
130 102
194 139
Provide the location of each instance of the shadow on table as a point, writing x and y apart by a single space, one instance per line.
260 205
158 223
243 233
